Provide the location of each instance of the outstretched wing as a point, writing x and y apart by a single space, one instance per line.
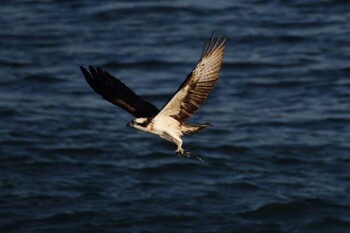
196 87
116 92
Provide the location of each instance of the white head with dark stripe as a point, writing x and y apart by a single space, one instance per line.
140 123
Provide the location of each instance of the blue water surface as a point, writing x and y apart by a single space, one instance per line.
278 152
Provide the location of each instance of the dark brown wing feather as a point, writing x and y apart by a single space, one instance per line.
195 89
116 92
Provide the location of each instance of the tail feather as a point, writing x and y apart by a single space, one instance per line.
194 128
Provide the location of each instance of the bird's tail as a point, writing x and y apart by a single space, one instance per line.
194 128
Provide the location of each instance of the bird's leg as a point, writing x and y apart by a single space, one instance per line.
176 140
179 150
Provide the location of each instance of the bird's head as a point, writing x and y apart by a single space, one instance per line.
139 123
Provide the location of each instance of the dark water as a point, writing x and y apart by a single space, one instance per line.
278 153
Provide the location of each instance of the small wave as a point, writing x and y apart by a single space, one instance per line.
170 218
70 216
255 64
247 186
276 210
327 224
345 70
337 119
279 84
8 112
145 63
77 151
180 167
113 11
308 123
228 148
281 38
312 3
41 78
16 159
286 161
297 208
14 64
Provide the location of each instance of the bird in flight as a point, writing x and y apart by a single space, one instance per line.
170 121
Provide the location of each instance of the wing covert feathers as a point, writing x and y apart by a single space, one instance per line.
198 84
116 92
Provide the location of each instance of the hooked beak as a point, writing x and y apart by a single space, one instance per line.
128 124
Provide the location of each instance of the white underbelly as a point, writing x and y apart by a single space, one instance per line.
166 124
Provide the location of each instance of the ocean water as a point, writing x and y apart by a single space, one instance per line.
278 152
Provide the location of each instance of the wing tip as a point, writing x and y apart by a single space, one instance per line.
213 45
85 73
220 37
82 68
92 69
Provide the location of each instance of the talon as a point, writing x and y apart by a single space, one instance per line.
180 152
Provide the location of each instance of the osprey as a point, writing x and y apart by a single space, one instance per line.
170 121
